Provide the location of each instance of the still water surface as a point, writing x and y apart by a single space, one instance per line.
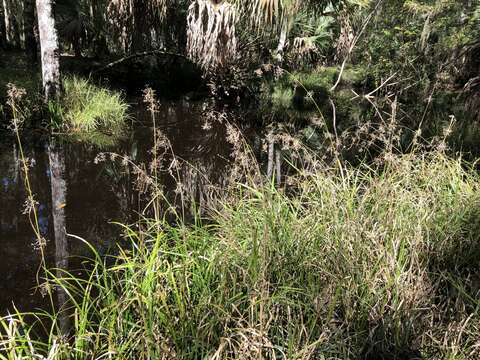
97 193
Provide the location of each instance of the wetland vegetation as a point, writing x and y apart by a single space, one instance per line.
239 179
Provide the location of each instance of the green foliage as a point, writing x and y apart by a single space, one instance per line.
89 107
92 111
282 98
319 80
359 261
56 114
416 37
301 94
317 30
300 89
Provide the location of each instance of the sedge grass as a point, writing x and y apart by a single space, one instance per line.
90 113
363 263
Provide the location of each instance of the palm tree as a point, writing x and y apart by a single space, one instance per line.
212 42
49 49
212 25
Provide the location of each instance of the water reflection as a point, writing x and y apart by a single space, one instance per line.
19 259
59 202
77 193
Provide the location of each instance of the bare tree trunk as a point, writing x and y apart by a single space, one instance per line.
12 10
49 49
271 160
3 29
29 29
6 21
278 166
427 28
346 38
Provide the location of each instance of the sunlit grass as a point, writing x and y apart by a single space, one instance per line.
90 109
357 262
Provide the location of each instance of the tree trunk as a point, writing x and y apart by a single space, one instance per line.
282 41
271 160
427 28
278 166
15 25
140 29
29 29
3 29
7 22
12 26
346 37
50 54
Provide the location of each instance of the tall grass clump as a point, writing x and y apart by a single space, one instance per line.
356 263
88 108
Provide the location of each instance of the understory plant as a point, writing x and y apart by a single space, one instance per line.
366 262
90 111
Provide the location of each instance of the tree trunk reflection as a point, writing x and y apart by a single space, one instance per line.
59 193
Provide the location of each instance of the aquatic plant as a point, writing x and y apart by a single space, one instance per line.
88 108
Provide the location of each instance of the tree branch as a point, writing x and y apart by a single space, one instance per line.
137 55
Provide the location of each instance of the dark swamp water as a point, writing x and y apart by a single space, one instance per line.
96 193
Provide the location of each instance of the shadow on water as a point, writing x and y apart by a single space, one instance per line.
78 195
